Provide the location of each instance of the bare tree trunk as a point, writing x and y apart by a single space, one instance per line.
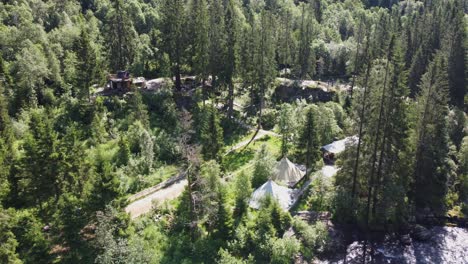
309 128
178 82
230 99
259 124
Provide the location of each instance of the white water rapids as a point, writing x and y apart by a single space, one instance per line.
447 245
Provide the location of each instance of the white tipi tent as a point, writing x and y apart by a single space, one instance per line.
282 194
287 172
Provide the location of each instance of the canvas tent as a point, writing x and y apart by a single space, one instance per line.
287 172
330 150
283 195
339 146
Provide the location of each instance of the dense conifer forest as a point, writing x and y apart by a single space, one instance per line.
230 131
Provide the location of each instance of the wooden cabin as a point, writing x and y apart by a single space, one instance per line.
119 81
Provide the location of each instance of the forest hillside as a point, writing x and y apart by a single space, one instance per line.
233 131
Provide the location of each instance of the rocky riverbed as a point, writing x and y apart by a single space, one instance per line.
444 245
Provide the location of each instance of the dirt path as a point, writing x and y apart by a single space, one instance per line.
144 205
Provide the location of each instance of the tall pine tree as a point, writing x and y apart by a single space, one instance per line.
173 34
211 135
431 138
86 67
308 142
199 30
121 37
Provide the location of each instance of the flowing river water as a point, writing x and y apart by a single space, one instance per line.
445 245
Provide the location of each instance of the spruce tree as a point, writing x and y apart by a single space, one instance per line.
286 128
87 64
456 57
263 64
173 35
224 223
232 51
380 163
8 252
431 138
308 142
124 154
121 37
285 38
6 130
218 42
305 55
265 56
74 168
41 147
417 69
209 185
361 111
199 30
6 141
105 185
393 163
5 77
138 110
212 136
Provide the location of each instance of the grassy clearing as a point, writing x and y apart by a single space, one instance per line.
232 142
242 159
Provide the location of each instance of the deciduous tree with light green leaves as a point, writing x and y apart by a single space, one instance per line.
243 187
264 167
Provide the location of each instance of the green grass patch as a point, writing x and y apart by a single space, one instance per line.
233 132
233 141
235 160
161 174
273 145
242 159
